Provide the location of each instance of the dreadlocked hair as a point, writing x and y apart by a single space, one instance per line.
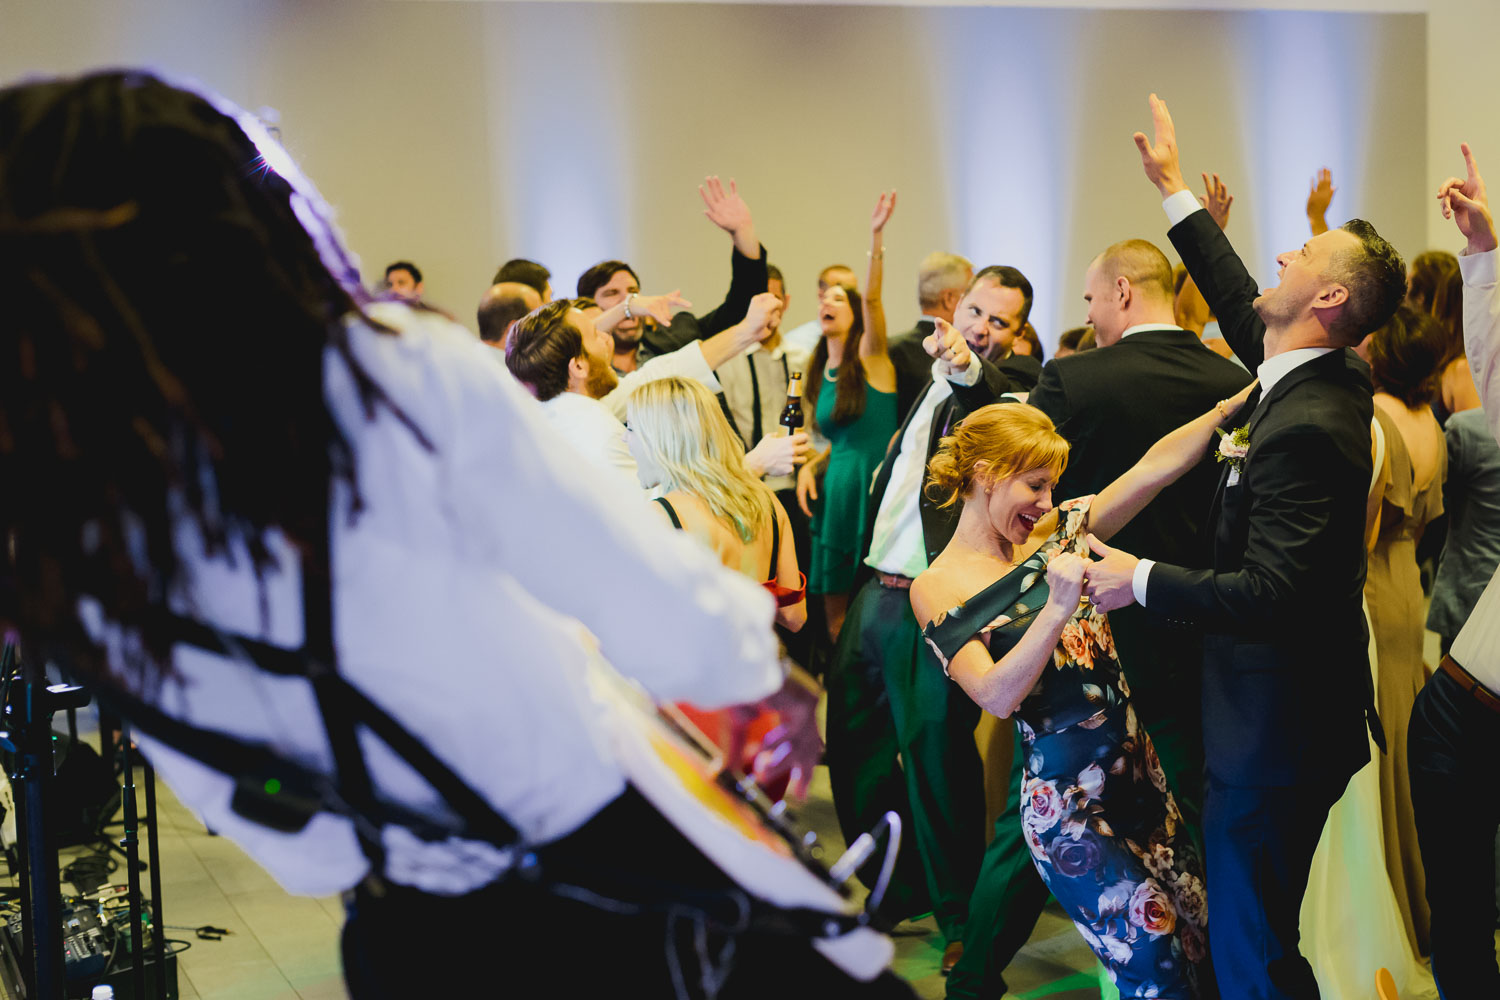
161 355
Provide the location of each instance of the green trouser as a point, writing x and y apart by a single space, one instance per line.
882 651
1007 900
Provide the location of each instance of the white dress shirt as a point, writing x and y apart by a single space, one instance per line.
802 341
469 597
1143 327
1477 646
897 545
595 427
1178 207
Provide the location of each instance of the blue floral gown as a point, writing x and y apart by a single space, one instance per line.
1104 830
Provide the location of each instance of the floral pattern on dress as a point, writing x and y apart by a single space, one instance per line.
1103 828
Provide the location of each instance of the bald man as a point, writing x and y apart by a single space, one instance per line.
501 306
1112 405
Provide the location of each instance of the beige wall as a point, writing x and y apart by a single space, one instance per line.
459 134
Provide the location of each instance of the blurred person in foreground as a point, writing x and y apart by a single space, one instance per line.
252 576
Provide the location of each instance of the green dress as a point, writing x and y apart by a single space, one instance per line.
838 528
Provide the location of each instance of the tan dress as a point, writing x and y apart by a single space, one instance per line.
1393 594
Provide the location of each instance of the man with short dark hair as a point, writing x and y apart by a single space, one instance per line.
562 356
526 272
994 333
403 280
638 338
1287 693
502 305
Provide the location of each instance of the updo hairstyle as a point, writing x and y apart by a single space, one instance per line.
993 443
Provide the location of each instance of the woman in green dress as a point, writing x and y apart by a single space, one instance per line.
851 392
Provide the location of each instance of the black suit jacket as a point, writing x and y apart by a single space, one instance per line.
1023 371
937 524
1113 404
1286 678
913 363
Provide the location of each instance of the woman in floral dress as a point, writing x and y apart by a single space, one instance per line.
1001 607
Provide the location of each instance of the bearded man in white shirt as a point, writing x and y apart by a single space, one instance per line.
562 355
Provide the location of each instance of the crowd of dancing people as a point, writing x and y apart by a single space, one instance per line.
1184 555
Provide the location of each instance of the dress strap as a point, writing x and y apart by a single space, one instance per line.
666 505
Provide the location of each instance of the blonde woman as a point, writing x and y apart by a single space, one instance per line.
686 451
1001 607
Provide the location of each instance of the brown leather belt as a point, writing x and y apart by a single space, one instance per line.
1466 680
893 581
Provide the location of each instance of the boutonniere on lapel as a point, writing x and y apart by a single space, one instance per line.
1233 447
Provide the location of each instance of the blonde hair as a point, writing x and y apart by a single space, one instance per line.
683 432
994 442
1142 263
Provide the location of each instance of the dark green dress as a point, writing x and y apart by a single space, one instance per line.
838 528
1104 831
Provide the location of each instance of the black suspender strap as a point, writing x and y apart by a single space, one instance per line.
671 513
775 544
758 432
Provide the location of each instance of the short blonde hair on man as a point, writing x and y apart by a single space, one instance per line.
1145 266
683 432
994 442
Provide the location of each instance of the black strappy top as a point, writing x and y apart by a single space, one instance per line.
785 596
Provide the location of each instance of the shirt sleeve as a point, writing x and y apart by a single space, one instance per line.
686 361
1482 330
1139 580
665 612
1180 205
962 376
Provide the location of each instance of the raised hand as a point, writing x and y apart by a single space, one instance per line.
1466 203
764 313
1217 200
1319 197
1065 577
1159 155
947 345
884 206
659 307
728 211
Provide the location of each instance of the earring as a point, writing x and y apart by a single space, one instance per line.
987 491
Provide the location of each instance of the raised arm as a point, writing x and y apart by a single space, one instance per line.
1206 253
763 314
659 307
1466 203
873 343
1161 466
999 686
747 279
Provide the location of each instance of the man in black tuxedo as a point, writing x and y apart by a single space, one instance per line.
888 696
994 335
1112 405
1286 680
941 280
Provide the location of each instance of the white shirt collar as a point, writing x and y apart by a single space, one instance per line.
1143 327
1273 370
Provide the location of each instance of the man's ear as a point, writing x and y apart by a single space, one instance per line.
578 371
1329 304
1122 285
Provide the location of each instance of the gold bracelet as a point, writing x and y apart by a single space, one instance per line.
1223 407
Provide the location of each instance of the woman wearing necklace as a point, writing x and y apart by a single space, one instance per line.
851 393
1000 606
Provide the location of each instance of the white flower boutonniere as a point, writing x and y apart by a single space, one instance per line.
1233 447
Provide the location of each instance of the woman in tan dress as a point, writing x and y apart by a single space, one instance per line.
1406 358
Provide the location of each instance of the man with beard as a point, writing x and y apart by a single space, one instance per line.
640 336
562 354
1287 693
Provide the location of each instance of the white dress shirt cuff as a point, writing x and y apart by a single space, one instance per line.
1480 269
959 376
1138 581
1180 205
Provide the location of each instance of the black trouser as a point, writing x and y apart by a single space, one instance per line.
498 940
1452 746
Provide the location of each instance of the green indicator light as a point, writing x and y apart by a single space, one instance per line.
272 786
